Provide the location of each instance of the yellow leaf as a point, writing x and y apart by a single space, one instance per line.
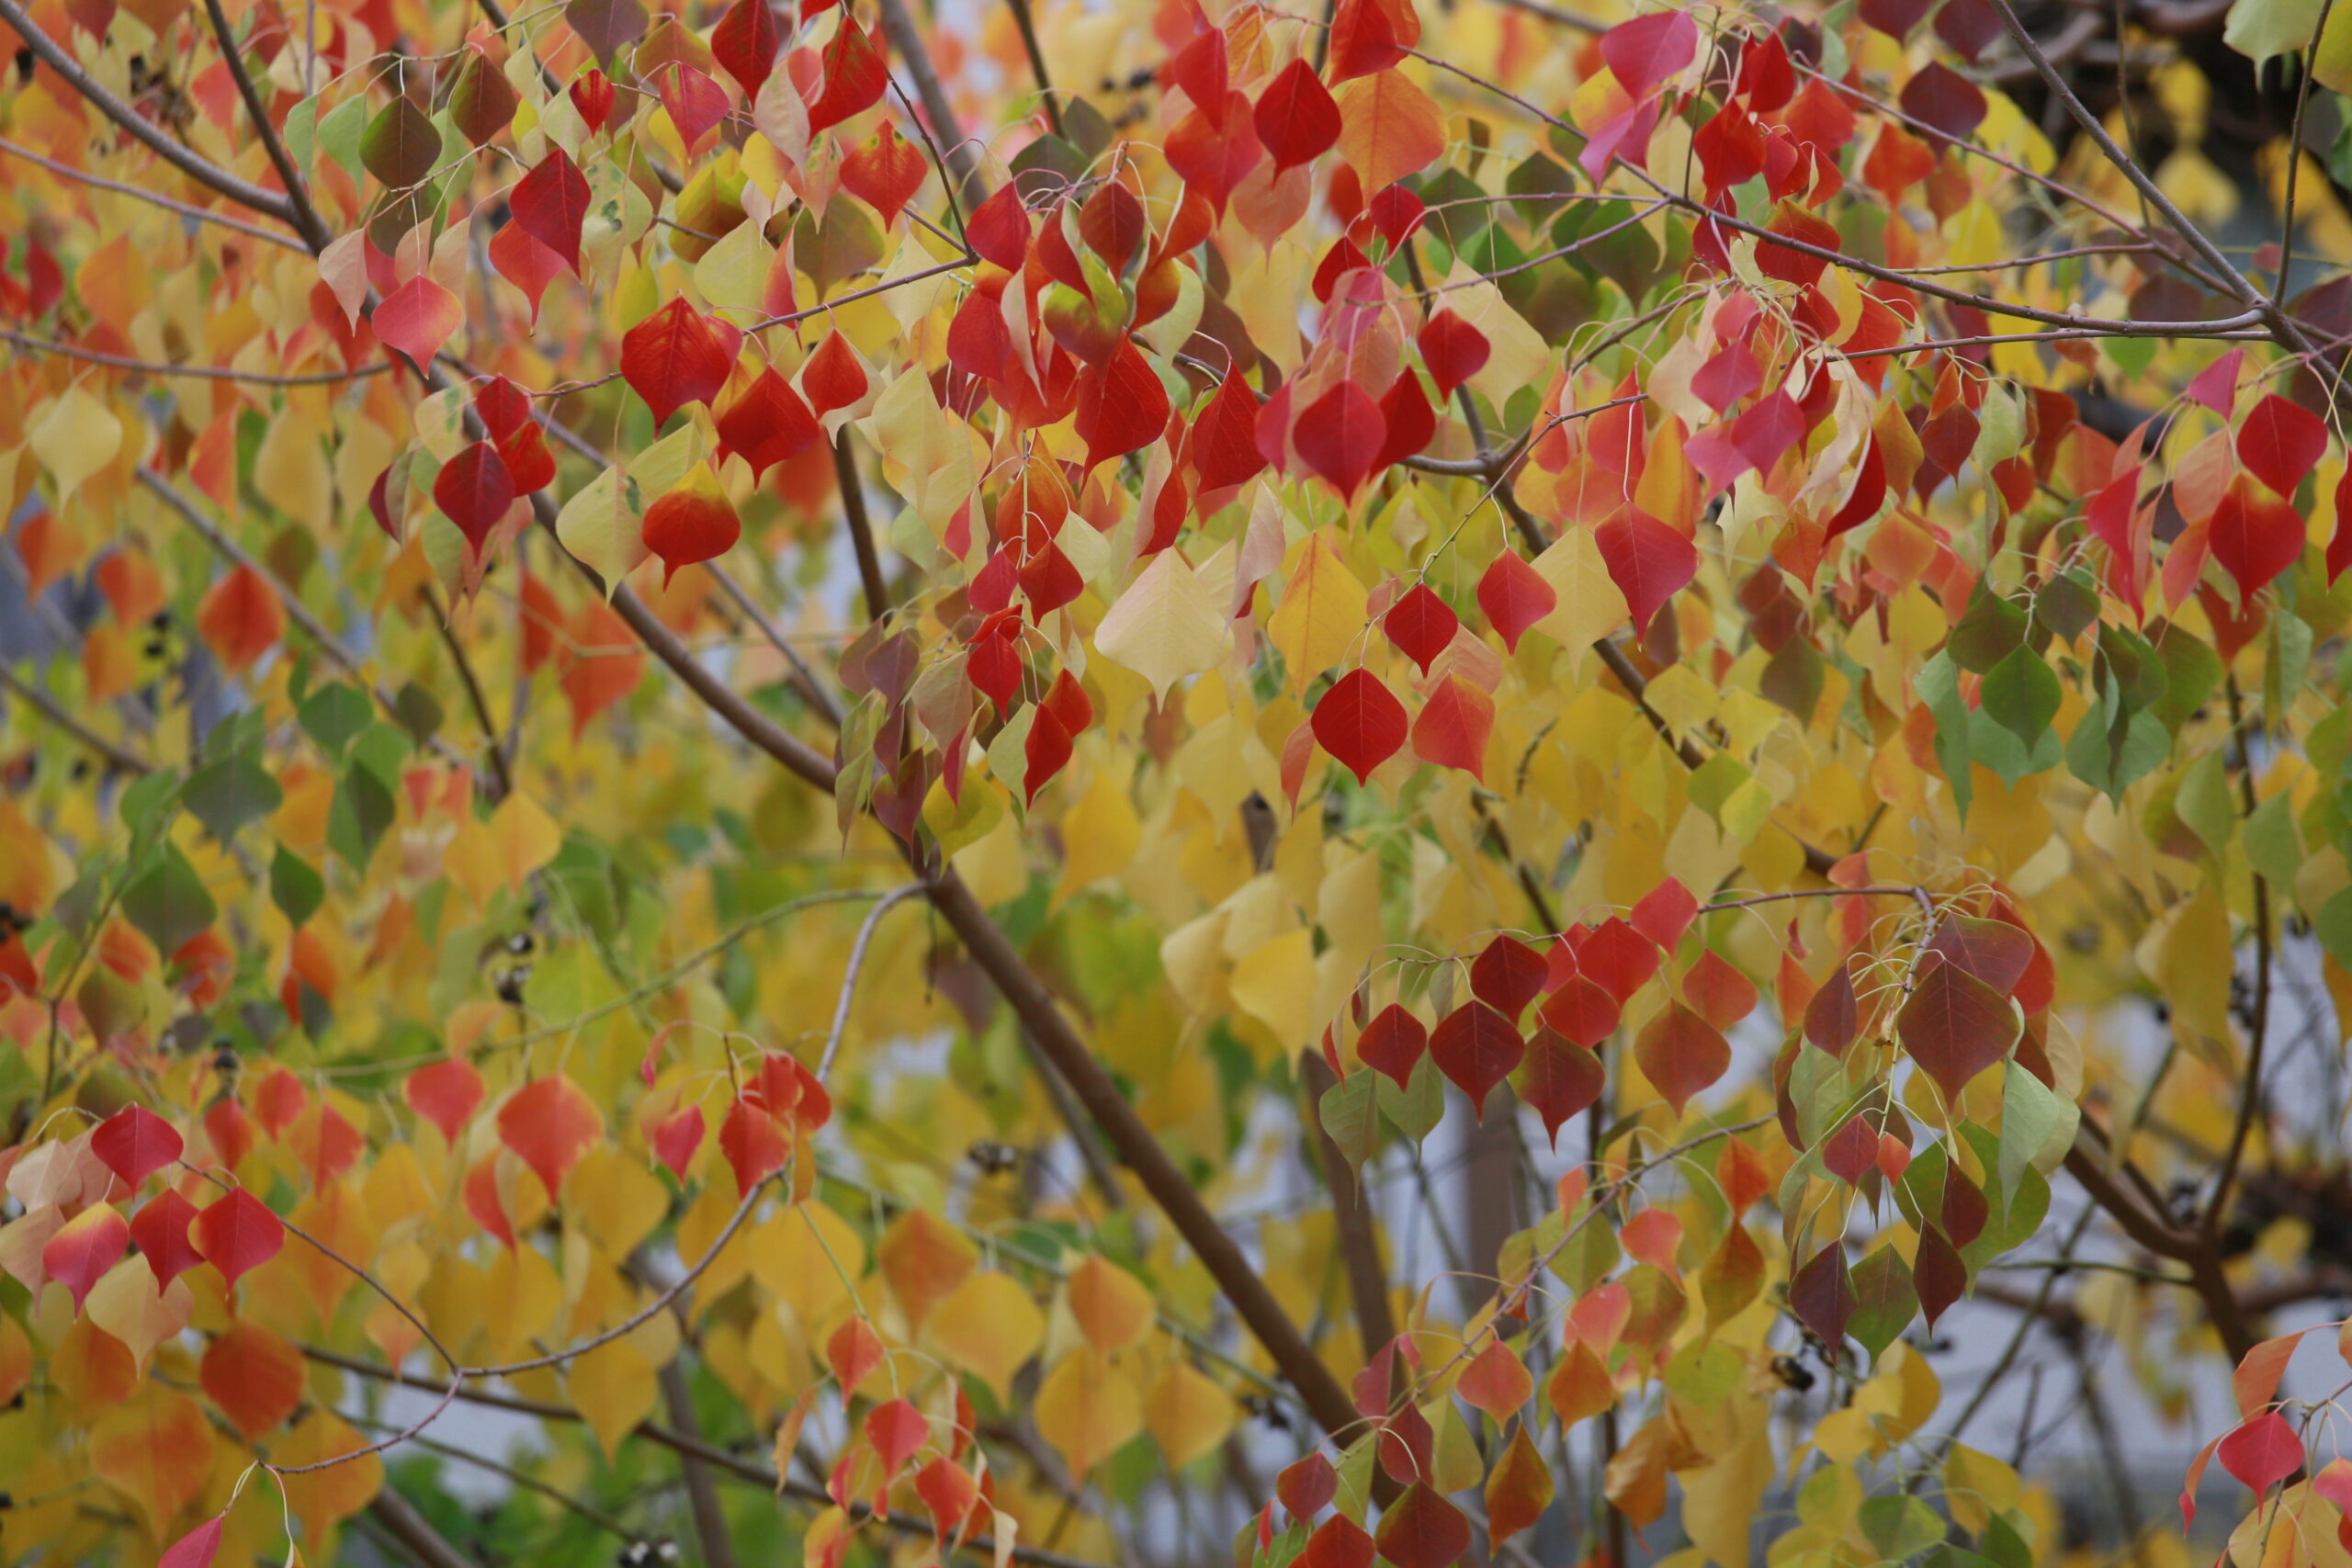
990 1327
1588 604
156 1452
1188 1415
1165 625
325 1498
924 1259
1323 613
1274 983
1112 1309
1087 1409
808 1258
77 438
614 1387
601 526
1388 127
615 1198
126 1305
518 839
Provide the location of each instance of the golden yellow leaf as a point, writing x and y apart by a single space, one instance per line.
1112 1309
1086 1409
990 1327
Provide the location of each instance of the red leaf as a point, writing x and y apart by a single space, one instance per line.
1646 51
80 1253
1647 560
1681 1053
745 43
479 1190
1821 1295
767 424
1421 625
1515 596
833 377
897 1431
522 261
1121 405
1722 993
160 1232
1295 118
2281 442
1225 437
1563 1078
1508 974
1939 96
1453 728
197 1548
257 1378
504 407
2262 1453
473 490
1421 1530
1664 913
1938 1274
2255 535
551 203
417 318
1067 701
1954 1025
676 1137
1340 435
754 1145
134 1143
548 1123
695 522
884 172
238 1235
1454 350
1993 951
1581 1010
695 102
1477 1047
852 1351
1308 1486
1409 420
854 77
445 1094
1831 1018
240 619
1619 957
1393 1044
999 229
675 357
2339 547
591 96
1338 1542
1360 722
1368 36
528 462
1046 752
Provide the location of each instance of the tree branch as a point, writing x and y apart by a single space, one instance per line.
203 172
49 708
300 211
201 215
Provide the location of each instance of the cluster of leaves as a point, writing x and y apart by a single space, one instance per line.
1484 570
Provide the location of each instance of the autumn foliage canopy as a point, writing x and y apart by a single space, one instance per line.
1163 783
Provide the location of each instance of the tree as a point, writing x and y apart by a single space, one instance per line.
1146 784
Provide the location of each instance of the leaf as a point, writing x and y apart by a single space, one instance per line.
1348 1112
1453 726
854 75
238 1234
156 1451
990 1327
2256 1379
1421 1530
1514 596
160 1231
1295 118
1681 1053
613 1387
255 1378
746 42
417 318
1122 405
134 1143
1821 1295
2021 693
1087 1409
2262 1452
551 204
693 522
1477 1048
1496 1382
1187 1414
1165 625
197 1548
2256 536
1954 1025
1645 52
240 619
1647 560
548 1123
1388 128
474 489
445 1094
81 1252
1110 1305
1323 611
2281 442
1518 1491
675 357
402 145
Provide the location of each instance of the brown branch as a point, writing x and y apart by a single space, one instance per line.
413 1532
303 216
1027 25
2258 1025
203 172
191 372
861 529
1351 1215
502 772
962 157
201 215
702 1497
49 708
717 1458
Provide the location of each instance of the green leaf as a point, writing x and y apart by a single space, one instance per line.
1900 1526
2021 693
227 794
2272 844
1349 1109
334 715
400 146
2037 1127
2260 29
2203 804
1937 684
295 887
146 807
1416 1107
362 809
341 131
1885 1301
1990 629
168 903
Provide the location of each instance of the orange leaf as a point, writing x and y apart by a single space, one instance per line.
549 1123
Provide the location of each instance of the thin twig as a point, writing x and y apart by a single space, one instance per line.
200 215
49 708
304 217
191 372
889 901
